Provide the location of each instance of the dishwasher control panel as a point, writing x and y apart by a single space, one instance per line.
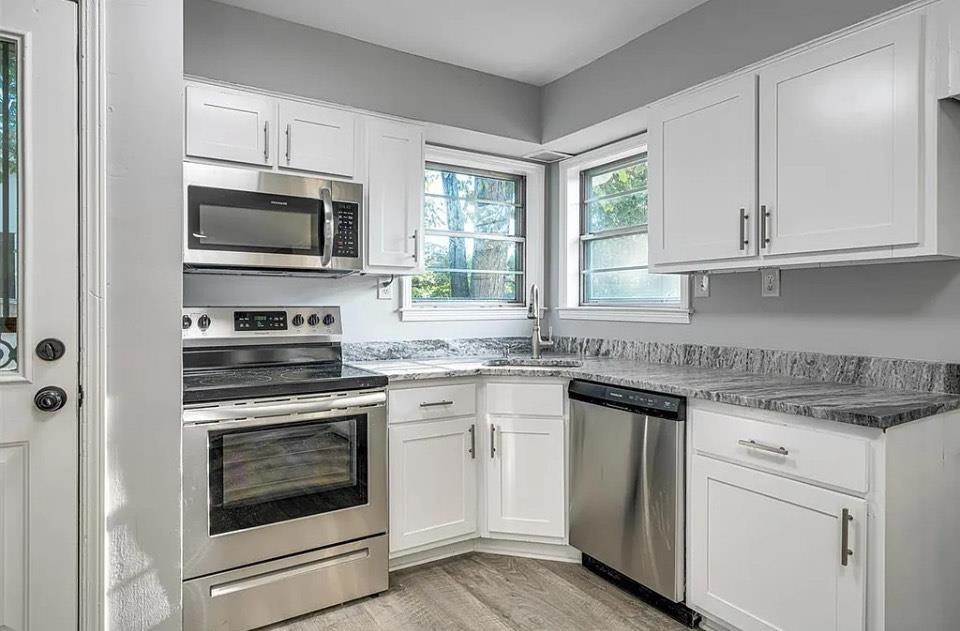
631 399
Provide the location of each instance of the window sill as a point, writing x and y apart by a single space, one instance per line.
627 314
444 313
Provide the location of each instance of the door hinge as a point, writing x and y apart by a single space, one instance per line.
80 396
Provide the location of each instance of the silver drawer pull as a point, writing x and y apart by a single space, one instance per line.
752 444
434 404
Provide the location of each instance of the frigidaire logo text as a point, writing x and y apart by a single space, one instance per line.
272 201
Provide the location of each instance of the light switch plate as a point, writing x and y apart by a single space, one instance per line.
701 285
770 282
385 289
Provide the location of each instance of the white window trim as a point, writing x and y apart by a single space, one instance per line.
533 250
569 245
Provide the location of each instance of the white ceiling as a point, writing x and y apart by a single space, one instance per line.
534 41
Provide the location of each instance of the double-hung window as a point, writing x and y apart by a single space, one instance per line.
476 242
604 272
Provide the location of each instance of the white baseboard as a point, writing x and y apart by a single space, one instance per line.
544 551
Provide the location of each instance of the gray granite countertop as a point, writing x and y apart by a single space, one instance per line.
844 403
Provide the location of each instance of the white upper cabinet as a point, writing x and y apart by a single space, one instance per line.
840 134
395 195
766 553
227 125
702 174
317 139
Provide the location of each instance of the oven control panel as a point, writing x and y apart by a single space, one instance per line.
346 241
269 325
259 320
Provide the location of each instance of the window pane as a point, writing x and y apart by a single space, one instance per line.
630 177
467 253
467 286
455 215
621 211
453 183
631 286
625 251
9 203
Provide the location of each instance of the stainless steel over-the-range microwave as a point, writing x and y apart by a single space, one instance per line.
246 219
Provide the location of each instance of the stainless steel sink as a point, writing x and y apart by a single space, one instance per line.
544 362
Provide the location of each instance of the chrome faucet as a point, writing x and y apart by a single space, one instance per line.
534 312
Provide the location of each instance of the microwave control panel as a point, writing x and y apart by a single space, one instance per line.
346 241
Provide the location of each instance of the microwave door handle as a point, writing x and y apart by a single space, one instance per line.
329 226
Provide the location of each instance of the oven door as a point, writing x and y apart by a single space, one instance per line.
305 475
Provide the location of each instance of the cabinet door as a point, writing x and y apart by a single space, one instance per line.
839 143
702 169
765 552
395 193
229 126
433 482
319 139
525 476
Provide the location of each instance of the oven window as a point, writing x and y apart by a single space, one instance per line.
244 221
262 475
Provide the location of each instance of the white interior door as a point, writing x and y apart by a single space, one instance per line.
38 300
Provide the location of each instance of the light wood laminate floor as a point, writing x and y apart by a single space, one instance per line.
477 592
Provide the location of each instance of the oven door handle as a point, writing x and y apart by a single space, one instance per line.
329 226
267 414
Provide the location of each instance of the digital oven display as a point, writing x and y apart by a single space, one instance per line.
260 320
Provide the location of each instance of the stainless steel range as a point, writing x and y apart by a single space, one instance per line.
284 468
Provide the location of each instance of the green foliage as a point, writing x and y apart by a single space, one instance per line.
616 199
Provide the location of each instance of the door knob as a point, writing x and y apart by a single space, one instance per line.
50 399
50 349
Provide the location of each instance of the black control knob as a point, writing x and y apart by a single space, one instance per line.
313 320
203 322
187 322
297 320
329 319
50 399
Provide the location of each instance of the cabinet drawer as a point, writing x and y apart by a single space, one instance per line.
833 459
525 399
415 404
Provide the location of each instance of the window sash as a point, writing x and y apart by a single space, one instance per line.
519 203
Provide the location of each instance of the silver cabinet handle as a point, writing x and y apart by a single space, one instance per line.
200 235
744 241
752 444
433 404
764 234
416 242
330 227
473 442
845 551
288 143
266 141
493 449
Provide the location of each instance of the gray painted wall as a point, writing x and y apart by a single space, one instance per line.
713 39
909 310
144 93
240 46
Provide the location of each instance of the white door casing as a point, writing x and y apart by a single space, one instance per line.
39 455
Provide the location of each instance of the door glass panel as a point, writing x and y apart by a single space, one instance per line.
262 475
9 204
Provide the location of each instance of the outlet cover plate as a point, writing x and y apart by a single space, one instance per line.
770 282
385 289
701 285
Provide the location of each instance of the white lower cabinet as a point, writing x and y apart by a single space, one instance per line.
433 482
525 476
766 552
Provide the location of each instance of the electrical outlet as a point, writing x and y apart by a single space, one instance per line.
701 285
770 282
385 289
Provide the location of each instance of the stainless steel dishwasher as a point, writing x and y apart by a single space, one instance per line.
627 487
